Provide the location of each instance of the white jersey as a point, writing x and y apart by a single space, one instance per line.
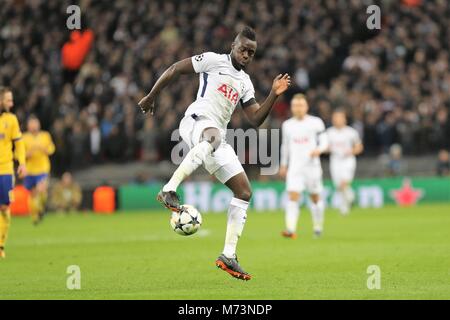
341 142
221 88
299 139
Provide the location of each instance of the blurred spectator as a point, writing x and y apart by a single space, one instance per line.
114 144
395 165
78 146
443 164
60 158
148 137
94 139
74 52
65 194
387 131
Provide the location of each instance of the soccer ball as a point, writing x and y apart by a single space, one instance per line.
187 221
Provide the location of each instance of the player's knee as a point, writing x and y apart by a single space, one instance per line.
315 198
294 196
3 207
244 194
212 135
41 187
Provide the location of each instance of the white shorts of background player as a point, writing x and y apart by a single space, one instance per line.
342 170
307 178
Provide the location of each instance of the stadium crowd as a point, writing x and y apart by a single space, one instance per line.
395 82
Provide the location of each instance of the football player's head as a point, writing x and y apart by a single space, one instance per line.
243 48
66 179
299 105
6 99
339 118
33 124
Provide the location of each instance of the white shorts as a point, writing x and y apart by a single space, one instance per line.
222 163
342 170
306 178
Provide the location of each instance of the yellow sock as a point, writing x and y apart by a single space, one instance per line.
43 201
5 222
34 207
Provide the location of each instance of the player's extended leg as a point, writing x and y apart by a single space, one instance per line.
346 197
210 141
348 194
30 185
38 201
237 216
292 214
34 205
6 186
42 188
317 211
5 221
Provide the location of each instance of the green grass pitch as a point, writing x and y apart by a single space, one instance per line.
135 255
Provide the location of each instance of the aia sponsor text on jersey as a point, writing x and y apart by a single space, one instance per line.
229 93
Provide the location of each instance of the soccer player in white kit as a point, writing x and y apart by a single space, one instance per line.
223 85
344 145
303 141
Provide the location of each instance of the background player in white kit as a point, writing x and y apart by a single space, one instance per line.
303 141
223 85
344 145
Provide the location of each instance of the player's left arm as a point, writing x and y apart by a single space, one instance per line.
257 113
49 145
284 160
358 146
323 143
327 149
19 148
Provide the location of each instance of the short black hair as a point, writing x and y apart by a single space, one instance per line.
340 110
248 32
32 117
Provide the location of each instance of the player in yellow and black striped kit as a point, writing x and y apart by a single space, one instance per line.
10 136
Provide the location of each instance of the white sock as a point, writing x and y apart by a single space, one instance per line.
194 159
292 214
344 202
317 212
237 215
349 195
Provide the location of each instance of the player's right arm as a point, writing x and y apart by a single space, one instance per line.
173 72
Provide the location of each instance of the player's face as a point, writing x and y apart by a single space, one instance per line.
7 102
33 125
299 108
66 178
243 50
339 120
